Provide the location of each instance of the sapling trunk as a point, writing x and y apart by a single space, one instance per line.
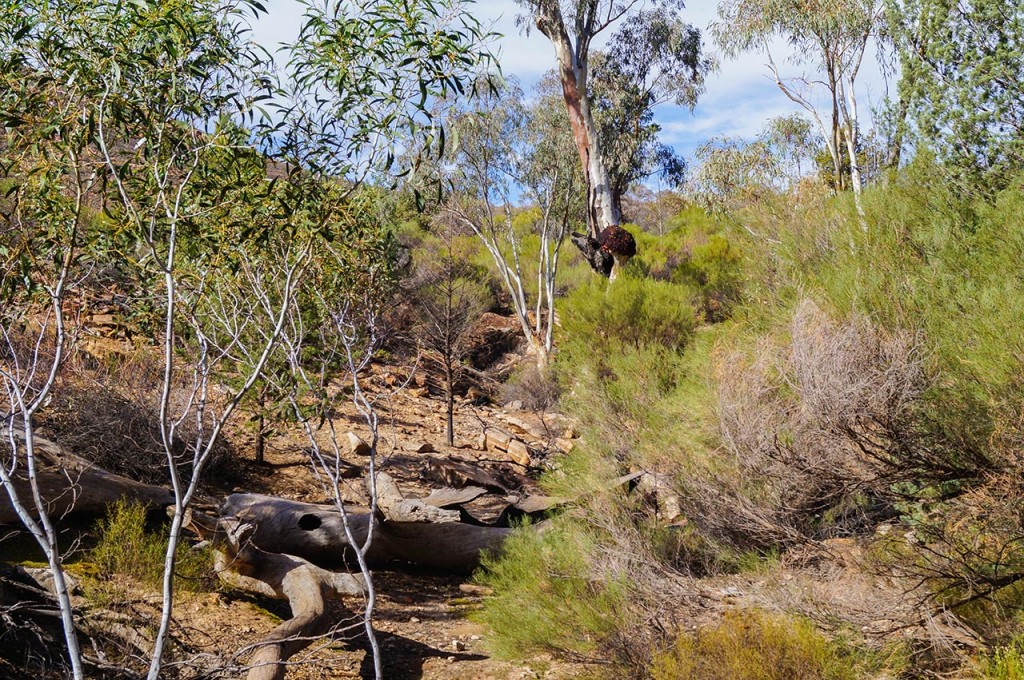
450 399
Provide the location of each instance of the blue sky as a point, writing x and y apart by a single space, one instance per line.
739 96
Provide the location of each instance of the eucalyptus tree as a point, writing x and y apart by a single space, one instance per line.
508 150
48 176
960 80
652 57
732 173
551 182
829 36
793 141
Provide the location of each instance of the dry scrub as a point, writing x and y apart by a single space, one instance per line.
821 424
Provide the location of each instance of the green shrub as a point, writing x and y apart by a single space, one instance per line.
903 337
547 597
1004 663
754 645
630 313
126 550
698 254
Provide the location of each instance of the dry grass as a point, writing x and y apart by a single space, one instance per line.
754 645
106 410
537 390
822 421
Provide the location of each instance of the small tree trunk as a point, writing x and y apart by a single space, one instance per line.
261 441
836 142
540 352
261 424
450 398
850 114
892 157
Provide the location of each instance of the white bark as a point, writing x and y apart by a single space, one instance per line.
233 317
24 400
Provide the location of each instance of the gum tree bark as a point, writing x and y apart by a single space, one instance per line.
573 69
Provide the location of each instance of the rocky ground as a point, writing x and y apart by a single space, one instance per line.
423 620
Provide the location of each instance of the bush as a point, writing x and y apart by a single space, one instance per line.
589 585
125 549
1004 663
821 415
536 389
696 254
603 317
106 410
547 598
754 645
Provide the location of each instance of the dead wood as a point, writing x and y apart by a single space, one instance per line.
71 485
459 474
305 586
31 635
449 497
397 508
316 533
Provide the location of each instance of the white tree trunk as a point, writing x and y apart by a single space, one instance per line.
602 209
849 110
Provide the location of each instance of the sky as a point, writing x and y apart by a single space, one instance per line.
738 100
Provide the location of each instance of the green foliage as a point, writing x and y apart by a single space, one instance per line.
1003 663
633 313
944 265
125 549
826 320
546 597
735 174
937 266
622 349
959 79
755 645
732 172
697 254
365 75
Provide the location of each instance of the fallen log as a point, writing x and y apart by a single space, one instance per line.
317 533
71 485
305 586
398 508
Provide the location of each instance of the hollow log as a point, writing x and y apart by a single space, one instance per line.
317 533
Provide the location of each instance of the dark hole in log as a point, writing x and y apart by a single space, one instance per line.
309 521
